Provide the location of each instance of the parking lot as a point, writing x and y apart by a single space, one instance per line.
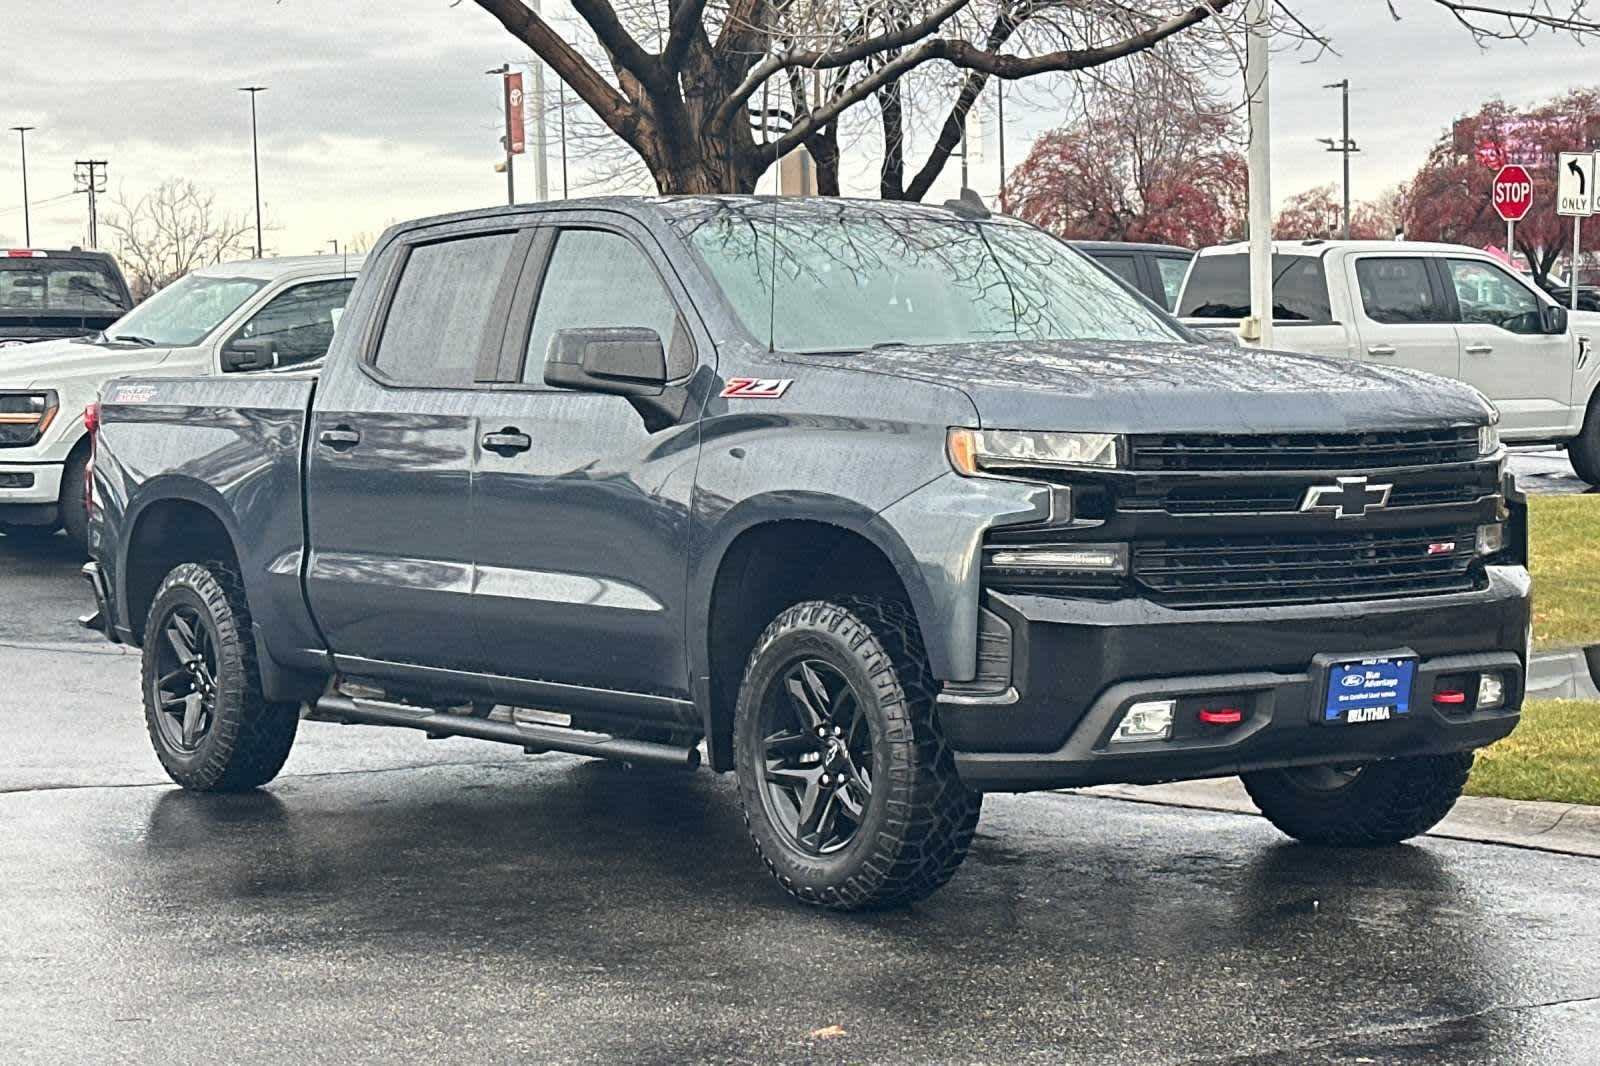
395 899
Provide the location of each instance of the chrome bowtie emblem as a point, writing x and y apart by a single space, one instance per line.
1352 497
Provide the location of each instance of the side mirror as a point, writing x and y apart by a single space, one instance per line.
249 353
1554 318
622 362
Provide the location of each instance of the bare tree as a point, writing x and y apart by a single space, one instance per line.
171 230
684 74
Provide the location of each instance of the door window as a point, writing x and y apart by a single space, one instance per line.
1490 296
1219 287
1123 266
444 310
1171 270
1395 291
599 280
299 321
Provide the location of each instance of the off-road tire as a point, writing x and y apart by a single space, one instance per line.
1385 803
919 822
249 737
1583 451
73 508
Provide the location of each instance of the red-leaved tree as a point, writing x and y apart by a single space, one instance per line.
1159 165
1318 213
1451 196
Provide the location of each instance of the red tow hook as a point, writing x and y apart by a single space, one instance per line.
1221 716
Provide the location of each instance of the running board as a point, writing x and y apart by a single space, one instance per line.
533 738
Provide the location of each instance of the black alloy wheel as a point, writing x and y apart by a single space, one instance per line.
185 686
817 750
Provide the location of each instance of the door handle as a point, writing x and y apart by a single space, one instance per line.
1380 349
339 438
507 442
1478 349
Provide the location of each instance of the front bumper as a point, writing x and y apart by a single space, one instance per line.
29 491
1078 664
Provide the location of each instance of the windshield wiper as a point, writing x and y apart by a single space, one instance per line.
143 342
890 344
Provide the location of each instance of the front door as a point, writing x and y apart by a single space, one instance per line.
1506 353
392 441
581 502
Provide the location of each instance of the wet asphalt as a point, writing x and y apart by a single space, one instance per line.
391 899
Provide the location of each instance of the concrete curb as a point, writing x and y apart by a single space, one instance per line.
1562 828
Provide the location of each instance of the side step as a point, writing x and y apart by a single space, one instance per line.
533 737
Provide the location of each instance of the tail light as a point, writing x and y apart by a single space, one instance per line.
91 422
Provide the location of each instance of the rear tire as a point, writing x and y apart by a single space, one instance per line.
836 718
74 509
1584 449
211 727
1369 806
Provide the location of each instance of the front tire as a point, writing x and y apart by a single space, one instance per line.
73 506
1583 451
847 787
212 728
1367 806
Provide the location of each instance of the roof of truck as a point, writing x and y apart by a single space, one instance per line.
1319 247
285 266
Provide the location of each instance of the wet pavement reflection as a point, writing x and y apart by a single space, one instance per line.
570 911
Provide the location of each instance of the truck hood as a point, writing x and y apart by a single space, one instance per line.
1140 387
50 363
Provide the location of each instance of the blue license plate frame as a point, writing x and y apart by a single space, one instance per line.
1376 689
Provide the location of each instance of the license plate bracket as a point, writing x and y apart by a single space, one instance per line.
1372 689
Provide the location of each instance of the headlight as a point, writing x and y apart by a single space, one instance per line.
1488 439
977 451
24 416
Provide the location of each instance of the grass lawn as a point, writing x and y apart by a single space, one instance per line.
1554 755
1564 542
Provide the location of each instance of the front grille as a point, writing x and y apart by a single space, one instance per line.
1303 451
1434 489
1307 567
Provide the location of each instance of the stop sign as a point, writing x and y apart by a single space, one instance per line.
1513 192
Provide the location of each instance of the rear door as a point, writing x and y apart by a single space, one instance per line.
1402 313
390 452
1505 351
581 516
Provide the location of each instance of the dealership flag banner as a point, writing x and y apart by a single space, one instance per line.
516 136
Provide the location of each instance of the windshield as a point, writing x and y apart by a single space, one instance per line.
1219 287
852 276
67 287
184 312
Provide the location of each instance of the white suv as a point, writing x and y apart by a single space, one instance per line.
1443 308
260 316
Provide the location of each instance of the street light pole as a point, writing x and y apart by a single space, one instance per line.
255 156
1344 147
27 225
505 142
1258 31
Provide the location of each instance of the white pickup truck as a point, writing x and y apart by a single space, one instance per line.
258 316
1447 309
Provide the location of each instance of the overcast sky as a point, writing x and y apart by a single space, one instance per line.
378 109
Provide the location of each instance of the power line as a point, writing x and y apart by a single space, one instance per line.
90 177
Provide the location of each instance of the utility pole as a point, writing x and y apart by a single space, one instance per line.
561 90
90 177
1344 146
1257 329
541 172
255 156
1000 120
27 225
504 70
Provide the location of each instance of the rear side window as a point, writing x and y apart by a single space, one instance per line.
1123 266
1171 270
444 310
1396 291
598 280
1219 287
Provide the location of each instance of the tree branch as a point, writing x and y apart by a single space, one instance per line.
681 31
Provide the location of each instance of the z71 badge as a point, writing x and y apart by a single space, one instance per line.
756 388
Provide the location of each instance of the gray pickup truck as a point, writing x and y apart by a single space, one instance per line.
879 506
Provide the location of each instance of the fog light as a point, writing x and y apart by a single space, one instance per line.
1491 539
1146 721
1491 692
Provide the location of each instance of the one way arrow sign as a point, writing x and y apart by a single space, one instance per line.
1575 191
